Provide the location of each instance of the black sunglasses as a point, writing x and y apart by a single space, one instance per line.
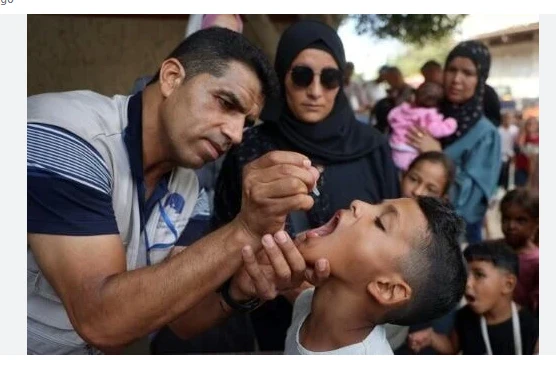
330 78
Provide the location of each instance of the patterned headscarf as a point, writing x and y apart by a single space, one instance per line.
468 113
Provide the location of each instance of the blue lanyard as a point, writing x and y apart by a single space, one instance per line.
142 214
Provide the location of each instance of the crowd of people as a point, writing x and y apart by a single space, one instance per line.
228 206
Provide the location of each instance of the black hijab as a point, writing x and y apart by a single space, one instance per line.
470 112
339 137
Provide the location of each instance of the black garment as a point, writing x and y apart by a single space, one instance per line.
381 111
468 328
468 113
371 178
491 105
337 138
503 180
235 335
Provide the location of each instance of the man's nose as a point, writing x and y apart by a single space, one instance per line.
234 131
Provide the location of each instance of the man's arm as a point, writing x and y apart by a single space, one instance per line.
280 267
110 307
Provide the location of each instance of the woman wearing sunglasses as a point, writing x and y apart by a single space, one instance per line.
313 117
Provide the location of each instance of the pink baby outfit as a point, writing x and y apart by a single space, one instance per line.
405 116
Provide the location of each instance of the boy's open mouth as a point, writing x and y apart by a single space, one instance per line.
327 228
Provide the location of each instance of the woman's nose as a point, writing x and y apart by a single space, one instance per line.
315 88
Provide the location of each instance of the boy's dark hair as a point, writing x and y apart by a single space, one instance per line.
211 50
437 157
523 198
434 269
431 63
495 252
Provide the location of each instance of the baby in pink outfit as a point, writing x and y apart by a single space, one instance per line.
422 113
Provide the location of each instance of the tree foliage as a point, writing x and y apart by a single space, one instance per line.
408 28
413 57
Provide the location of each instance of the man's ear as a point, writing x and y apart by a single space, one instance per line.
389 291
171 76
509 282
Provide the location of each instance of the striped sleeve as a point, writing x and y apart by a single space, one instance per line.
68 184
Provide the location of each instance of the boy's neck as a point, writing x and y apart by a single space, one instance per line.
502 311
338 318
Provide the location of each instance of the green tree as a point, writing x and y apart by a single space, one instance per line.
409 28
411 60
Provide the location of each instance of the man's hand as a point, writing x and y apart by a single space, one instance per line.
320 272
274 185
277 269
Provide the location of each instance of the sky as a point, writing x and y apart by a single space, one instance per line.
368 54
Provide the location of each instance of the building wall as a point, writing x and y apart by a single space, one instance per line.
102 53
106 53
516 66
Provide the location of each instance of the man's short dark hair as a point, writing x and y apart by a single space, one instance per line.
394 70
495 252
434 269
211 50
431 63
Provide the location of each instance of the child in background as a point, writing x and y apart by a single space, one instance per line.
508 137
520 223
490 323
430 174
526 159
422 113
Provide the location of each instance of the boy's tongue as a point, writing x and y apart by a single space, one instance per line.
325 229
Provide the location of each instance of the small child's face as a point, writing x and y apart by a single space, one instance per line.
425 179
486 285
517 225
366 241
532 125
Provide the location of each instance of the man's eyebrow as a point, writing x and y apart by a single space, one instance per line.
234 100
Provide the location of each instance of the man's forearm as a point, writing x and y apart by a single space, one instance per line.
211 311
132 304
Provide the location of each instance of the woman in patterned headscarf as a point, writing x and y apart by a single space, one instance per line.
475 146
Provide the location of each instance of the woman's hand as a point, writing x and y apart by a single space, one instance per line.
421 140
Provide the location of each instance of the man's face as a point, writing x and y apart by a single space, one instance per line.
485 286
433 74
203 116
366 241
